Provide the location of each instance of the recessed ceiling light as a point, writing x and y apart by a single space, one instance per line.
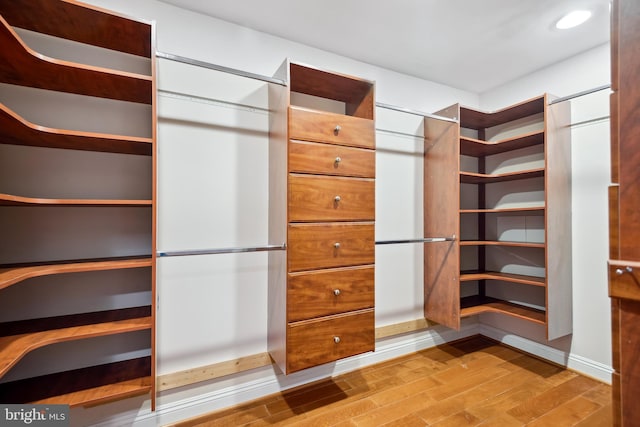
573 19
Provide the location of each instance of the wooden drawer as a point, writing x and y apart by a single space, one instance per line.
325 292
309 125
623 283
314 246
329 159
314 342
331 198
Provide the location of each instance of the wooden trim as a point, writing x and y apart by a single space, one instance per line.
13 200
245 363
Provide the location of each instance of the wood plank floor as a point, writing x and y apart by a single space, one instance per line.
474 382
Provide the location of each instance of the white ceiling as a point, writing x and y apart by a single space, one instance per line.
474 45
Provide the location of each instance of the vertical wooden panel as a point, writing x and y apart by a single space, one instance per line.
441 218
558 220
277 303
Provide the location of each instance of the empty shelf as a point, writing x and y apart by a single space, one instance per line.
479 148
11 200
474 119
467 276
504 210
20 65
10 276
501 243
479 178
470 306
18 131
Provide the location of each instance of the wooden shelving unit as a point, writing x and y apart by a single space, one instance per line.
322 204
22 66
505 169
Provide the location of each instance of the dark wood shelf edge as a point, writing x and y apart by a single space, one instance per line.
503 210
13 200
479 178
83 387
470 306
480 148
476 119
501 243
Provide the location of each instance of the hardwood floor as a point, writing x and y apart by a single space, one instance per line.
474 382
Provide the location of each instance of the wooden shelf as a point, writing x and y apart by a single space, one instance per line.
501 243
474 119
479 148
470 306
18 131
83 23
83 387
20 65
10 276
504 210
15 347
467 276
11 200
479 178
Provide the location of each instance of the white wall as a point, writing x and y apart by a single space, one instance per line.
589 348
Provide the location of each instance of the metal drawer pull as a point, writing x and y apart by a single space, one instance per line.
337 160
336 245
336 340
337 199
337 129
336 292
627 269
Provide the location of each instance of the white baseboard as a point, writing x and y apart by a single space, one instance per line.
580 364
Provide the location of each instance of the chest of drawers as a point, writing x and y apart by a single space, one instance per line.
322 195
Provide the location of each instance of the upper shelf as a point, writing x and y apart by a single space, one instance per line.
10 276
475 119
479 148
18 131
80 22
20 65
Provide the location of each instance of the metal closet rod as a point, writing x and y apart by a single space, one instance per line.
284 246
241 73
579 94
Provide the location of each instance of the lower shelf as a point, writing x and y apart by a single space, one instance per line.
83 387
473 305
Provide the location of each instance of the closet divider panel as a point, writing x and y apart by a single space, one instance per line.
441 211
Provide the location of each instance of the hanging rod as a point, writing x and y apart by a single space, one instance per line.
223 250
576 95
414 112
423 240
210 66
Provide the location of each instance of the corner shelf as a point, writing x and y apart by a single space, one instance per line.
535 195
18 131
16 274
11 200
22 66
83 387
480 178
15 347
471 306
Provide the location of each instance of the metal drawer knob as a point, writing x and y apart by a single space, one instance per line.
336 292
336 245
338 159
627 269
336 340
337 129
337 199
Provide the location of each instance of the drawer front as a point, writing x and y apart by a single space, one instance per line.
327 198
624 280
331 128
329 159
312 343
326 292
314 246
